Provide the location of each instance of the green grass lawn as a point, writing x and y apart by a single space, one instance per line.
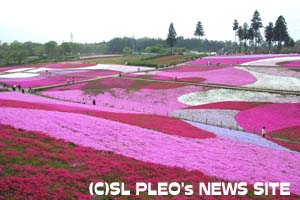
144 60
117 60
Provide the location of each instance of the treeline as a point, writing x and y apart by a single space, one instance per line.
30 52
251 37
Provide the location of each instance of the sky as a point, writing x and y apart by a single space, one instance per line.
101 20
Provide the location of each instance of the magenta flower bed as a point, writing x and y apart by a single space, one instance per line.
295 64
273 117
193 68
226 76
41 81
152 122
21 81
226 159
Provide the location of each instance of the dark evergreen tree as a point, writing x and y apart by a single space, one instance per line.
172 37
250 35
235 28
256 24
245 36
241 37
199 30
269 35
280 32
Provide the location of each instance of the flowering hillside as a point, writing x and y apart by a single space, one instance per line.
200 121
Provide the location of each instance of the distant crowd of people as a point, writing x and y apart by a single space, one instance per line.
17 88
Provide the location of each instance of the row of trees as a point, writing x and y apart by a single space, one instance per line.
17 52
251 35
172 35
250 38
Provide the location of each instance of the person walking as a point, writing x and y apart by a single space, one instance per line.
263 131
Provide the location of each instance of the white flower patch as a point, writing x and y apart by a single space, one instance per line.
41 69
272 61
121 68
18 75
18 70
217 117
219 95
267 81
245 137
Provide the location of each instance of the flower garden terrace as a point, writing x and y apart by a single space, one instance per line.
156 119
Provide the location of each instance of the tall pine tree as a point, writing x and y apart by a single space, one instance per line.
256 24
172 37
235 28
280 32
199 30
269 35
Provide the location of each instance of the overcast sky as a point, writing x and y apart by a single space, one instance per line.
98 20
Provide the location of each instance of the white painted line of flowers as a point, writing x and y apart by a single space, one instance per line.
267 81
217 117
18 75
272 61
122 68
18 70
41 69
240 136
219 95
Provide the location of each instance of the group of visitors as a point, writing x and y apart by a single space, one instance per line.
84 101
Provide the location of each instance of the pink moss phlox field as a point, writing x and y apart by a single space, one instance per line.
54 168
193 68
235 59
273 117
226 76
22 81
293 64
31 99
44 81
147 100
148 121
230 160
